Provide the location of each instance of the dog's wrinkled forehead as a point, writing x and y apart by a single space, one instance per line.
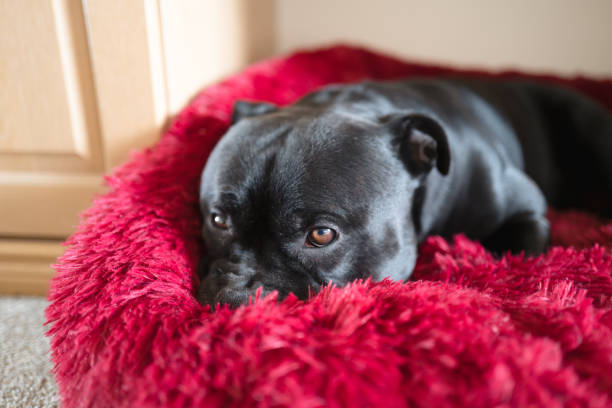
317 161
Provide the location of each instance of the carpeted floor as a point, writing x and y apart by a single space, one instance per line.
25 375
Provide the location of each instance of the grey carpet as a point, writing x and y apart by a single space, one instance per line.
25 378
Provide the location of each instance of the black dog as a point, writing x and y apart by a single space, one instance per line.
346 182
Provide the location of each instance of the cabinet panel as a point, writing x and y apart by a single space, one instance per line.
31 65
49 117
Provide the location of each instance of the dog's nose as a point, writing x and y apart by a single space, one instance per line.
220 271
230 267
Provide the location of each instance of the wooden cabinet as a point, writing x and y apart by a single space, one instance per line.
81 84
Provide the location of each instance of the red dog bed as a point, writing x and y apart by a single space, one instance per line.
467 330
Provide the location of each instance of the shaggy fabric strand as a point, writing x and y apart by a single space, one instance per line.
469 330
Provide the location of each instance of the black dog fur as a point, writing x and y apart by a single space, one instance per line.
379 166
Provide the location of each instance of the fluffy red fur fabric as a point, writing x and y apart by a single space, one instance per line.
469 330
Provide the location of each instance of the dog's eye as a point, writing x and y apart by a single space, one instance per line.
219 221
320 237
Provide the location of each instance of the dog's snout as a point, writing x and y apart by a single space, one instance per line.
227 282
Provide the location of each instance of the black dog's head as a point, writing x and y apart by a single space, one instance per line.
297 197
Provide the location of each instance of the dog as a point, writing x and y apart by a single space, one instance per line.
346 182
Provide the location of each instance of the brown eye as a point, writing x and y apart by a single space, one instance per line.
219 221
320 237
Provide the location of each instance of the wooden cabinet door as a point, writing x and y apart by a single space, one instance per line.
50 143
80 85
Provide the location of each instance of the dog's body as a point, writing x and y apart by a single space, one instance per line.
346 182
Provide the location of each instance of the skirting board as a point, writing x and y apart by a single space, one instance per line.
25 265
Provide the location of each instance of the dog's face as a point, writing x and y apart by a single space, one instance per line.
295 198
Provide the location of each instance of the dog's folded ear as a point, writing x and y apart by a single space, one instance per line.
245 109
421 141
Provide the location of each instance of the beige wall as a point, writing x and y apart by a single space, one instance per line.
206 40
563 36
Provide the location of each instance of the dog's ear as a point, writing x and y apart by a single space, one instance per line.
244 109
421 142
